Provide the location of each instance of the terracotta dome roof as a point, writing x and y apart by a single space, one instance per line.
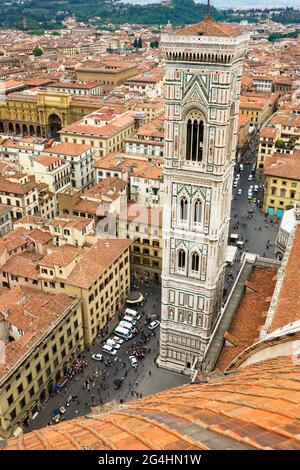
208 27
256 407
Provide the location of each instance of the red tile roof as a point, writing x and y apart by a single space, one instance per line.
250 315
283 167
256 407
288 303
208 27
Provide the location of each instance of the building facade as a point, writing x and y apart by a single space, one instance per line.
53 327
202 93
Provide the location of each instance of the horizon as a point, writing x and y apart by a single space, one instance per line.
221 4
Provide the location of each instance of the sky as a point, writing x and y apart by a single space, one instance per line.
236 3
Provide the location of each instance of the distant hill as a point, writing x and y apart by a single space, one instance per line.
49 14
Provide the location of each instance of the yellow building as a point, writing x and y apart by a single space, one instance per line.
20 192
42 112
144 227
105 130
99 276
42 335
71 230
266 146
151 107
282 184
109 73
257 108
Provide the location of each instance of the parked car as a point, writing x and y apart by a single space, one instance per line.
235 183
109 350
133 361
113 344
97 357
255 188
118 340
239 191
241 167
250 178
154 324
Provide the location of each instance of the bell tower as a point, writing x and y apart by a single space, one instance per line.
202 92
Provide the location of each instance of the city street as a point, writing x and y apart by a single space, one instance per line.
144 380
253 229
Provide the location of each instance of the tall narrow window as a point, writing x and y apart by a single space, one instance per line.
194 137
181 259
195 262
183 209
198 212
188 139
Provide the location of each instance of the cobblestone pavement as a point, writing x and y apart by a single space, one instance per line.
138 381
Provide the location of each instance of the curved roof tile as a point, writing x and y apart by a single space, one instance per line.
256 407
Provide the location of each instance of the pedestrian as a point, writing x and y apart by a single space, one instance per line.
76 412
141 395
150 372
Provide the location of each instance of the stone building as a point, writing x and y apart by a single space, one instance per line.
202 93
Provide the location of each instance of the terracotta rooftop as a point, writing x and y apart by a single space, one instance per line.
23 266
208 27
268 132
60 256
250 315
15 187
256 407
47 160
67 148
34 312
288 303
96 261
14 239
283 167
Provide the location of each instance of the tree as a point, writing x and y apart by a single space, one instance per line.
154 44
37 52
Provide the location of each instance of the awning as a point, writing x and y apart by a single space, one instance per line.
280 212
271 211
135 297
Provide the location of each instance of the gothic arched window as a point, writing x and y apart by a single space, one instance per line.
197 211
194 137
181 259
183 209
195 262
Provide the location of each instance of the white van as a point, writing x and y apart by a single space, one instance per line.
130 320
133 314
130 311
123 333
127 325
